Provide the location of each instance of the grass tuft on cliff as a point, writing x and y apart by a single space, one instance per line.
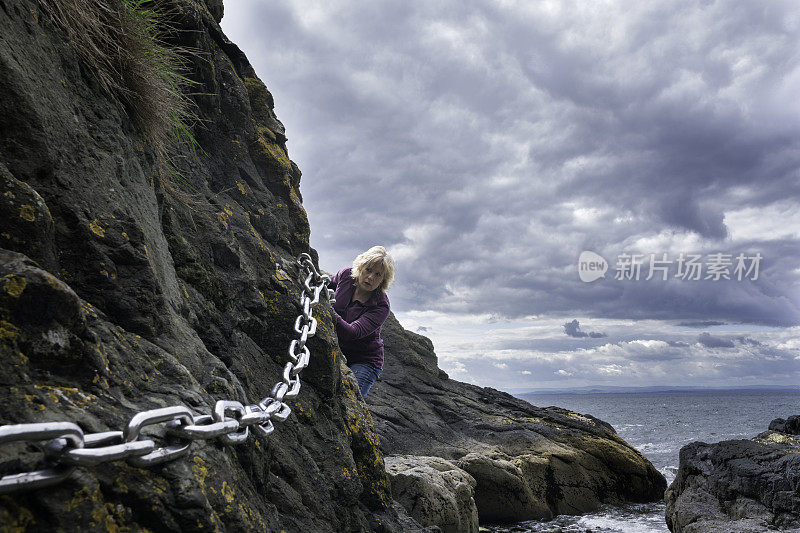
122 43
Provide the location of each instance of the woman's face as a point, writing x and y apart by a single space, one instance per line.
371 277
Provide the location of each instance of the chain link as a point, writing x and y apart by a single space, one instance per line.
98 448
65 445
42 431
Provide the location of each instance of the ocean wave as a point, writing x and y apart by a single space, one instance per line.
624 524
656 447
631 518
669 473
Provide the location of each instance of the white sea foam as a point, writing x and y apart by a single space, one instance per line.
655 447
669 472
624 523
633 518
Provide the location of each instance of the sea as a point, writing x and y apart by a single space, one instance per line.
658 424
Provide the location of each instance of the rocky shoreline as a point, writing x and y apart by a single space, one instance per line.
739 486
520 462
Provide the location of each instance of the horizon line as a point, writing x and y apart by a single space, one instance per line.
610 389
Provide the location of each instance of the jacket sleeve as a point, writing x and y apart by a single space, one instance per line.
334 281
367 323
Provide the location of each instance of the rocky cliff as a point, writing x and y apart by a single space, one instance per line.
525 462
116 297
739 486
135 277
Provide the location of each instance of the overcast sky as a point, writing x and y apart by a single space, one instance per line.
489 144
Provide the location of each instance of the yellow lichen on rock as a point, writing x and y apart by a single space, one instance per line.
68 395
101 513
221 218
201 474
530 419
777 438
97 229
228 492
363 438
14 285
582 418
26 212
100 380
35 401
281 275
243 188
253 516
272 150
8 331
19 522
88 310
200 470
270 300
296 199
256 234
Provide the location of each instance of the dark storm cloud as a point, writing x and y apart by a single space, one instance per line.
489 144
749 341
678 344
701 323
710 341
573 329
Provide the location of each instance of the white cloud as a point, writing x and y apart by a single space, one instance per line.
455 367
777 221
613 369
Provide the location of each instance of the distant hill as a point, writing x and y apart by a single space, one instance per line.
664 388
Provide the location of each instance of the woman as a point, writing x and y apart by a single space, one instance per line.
360 310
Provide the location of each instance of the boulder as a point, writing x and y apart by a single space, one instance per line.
790 426
737 486
434 491
504 494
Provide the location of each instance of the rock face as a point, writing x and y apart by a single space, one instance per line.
117 298
738 486
527 462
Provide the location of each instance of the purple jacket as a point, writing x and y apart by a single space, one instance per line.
358 325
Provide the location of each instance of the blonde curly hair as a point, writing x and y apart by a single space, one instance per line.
374 256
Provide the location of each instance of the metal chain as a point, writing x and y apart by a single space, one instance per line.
65 446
